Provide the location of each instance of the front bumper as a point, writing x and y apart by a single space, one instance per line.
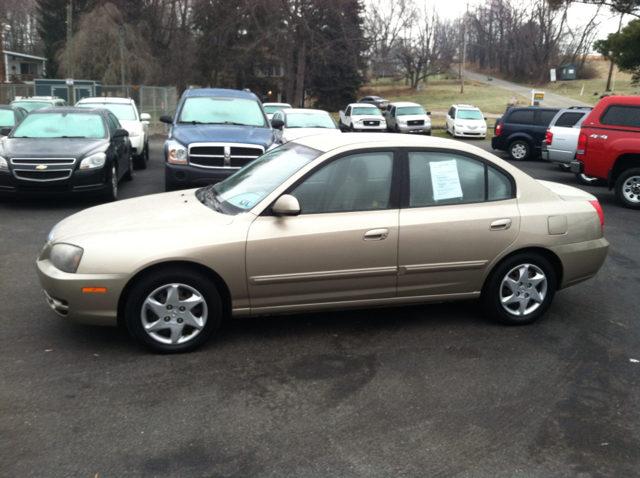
80 181
418 129
471 133
188 176
63 292
382 127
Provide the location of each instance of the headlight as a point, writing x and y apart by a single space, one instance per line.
50 236
402 122
3 163
177 154
66 257
459 125
93 161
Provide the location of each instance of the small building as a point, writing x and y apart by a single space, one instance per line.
62 88
568 71
22 68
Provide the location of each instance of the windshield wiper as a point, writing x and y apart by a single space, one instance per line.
209 198
72 136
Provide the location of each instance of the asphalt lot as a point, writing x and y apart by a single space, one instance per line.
428 391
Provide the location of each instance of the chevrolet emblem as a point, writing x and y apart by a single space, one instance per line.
42 166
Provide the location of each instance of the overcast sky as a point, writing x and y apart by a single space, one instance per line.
580 13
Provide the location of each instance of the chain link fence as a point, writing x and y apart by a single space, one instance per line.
155 100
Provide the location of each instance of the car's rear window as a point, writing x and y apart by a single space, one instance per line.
621 115
236 111
521 117
569 118
60 125
545 117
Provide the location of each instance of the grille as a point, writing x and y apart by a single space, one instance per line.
415 123
372 123
223 155
51 175
47 161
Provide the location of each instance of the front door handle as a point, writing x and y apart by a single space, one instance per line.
376 235
500 225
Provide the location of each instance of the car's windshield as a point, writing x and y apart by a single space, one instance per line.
236 111
251 184
60 125
309 120
411 110
469 114
31 105
122 111
7 118
270 109
366 111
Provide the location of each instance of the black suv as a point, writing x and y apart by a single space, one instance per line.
521 131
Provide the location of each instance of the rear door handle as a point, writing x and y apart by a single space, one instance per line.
376 235
500 225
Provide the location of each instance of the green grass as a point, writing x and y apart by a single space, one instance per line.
593 89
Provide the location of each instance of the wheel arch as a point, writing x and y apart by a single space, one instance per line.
550 256
622 163
214 277
520 137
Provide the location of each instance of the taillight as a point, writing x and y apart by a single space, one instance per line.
498 129
582 144
548 138
596 205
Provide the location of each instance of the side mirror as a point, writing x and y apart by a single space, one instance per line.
120 133
5 131
428 113
485 119
145 117
286 205
166 119
277 123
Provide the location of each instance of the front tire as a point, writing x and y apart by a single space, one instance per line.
128 176
141 161
628 188
519 150
173 311
520 290
111 193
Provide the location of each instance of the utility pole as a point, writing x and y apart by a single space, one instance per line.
70 50
608 88
122 58
3 71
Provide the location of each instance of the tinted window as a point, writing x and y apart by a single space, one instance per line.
619 115
360 182
444 178
522 117
569 118
545 117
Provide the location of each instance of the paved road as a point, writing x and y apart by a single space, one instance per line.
437 391
550 99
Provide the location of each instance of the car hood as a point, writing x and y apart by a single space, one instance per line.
171 213
203 133
295 133
52 147
131 125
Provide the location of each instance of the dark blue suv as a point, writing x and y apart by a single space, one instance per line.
521 131
215 132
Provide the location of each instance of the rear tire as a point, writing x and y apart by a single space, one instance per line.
520 290
141 161
128 176
174 310
519 150
111 193
628 188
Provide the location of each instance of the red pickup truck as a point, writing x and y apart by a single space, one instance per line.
609 147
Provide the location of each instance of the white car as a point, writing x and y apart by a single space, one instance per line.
405 117
362 117
466 121
271 108
294 123
136 124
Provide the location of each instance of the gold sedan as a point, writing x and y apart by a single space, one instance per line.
321 223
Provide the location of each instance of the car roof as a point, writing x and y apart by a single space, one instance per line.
218 92
466 107
364 105
276 104
326 143
289 111
404 103
11 107
106 99
70 109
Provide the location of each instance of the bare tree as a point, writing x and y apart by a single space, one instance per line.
21 16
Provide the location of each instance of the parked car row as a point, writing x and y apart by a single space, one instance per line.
400 117
69 150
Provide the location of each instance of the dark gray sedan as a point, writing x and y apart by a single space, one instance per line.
65 150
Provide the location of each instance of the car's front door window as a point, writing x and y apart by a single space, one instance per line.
360 182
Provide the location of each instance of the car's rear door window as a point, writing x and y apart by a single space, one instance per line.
522 117
569 118
442 178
